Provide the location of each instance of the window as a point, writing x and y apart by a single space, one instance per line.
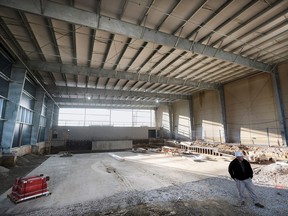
108 117
25 115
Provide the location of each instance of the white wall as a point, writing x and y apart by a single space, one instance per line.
207 116
181 119
251 109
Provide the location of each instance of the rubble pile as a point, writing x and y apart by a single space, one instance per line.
274 174
257 154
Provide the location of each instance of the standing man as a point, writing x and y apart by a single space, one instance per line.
241 172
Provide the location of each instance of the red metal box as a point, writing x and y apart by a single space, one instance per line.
29 187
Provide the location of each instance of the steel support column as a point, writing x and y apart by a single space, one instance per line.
280 109
171 122
193 135
37 115
49 119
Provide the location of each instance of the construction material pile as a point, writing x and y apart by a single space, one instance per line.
274 175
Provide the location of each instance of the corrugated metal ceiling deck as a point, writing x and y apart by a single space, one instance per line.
130 53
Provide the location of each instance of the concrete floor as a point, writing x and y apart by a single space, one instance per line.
84 177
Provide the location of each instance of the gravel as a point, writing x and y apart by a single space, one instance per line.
208 196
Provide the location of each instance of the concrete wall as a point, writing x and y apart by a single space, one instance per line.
111 145
95 133
162 121
207 116
181 119
251 111
283 76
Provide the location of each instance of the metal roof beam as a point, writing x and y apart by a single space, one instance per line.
107 106
81 101
116 93
92 20
86 71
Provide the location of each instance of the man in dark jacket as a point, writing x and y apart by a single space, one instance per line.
241 172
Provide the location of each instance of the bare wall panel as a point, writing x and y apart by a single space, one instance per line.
251 111
283 75
207 116
181 115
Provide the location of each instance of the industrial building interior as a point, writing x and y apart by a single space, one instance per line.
136 107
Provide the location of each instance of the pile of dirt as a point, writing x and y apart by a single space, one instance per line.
24 165
273 175
257 154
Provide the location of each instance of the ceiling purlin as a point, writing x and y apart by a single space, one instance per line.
145 14
120 57
182 64
139 88
136 55
53 39
228 70
104 101
166 15
123 9
57 91
213 15
230 19
171 62
124 84
237 73
108 48
132 86
144 62
180 27
31 35
96 82
131 30
82 70
106 106
282 54
189 17
116 83
152 87
11 38
212 71
36 44
255 29
92 42
284 23
174 6
106 83
90 52
266 44
244 24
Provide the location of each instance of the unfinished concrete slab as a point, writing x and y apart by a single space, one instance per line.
100 183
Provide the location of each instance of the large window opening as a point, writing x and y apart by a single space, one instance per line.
106 117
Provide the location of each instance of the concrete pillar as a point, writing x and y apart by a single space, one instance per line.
55 116
156 121
49 118
14 95
223 111
193 135
170 110
279 105
40 94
